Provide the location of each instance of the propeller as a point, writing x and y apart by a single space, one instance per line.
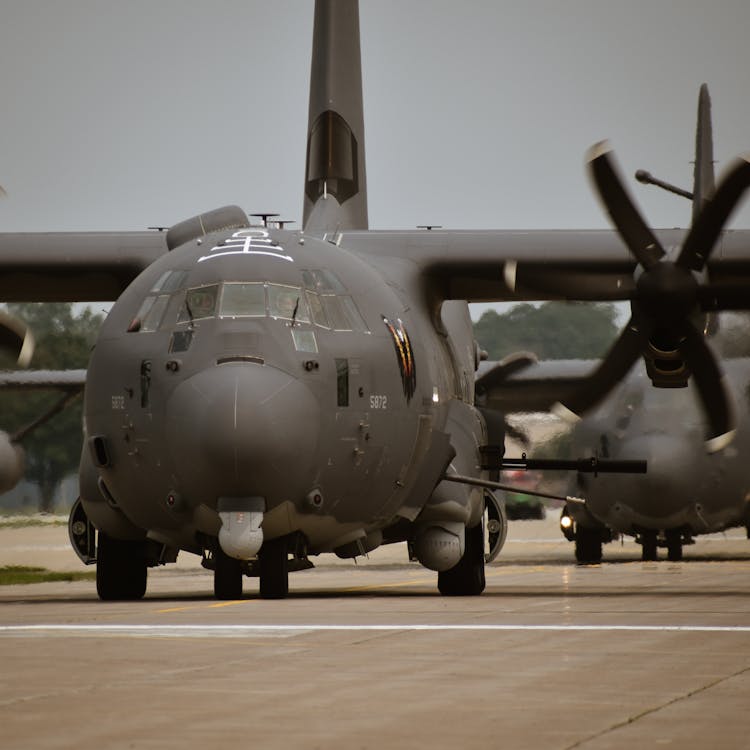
16 339
665 324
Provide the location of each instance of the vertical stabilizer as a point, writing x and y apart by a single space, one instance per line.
703 177
335 185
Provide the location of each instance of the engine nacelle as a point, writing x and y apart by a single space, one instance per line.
12 463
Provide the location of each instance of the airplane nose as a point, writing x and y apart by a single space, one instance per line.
243 429
660 496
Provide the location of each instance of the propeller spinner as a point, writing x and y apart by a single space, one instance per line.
668 299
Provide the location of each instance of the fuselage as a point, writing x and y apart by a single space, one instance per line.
685 487
265 364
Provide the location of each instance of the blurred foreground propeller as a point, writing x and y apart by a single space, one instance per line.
666 304
16 339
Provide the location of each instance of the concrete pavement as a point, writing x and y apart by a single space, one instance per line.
621 655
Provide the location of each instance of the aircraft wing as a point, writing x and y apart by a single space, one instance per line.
67 380
513 265
73 266
519 383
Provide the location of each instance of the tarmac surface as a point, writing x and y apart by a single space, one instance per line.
620 655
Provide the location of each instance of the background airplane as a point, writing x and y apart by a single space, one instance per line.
686 491
260 396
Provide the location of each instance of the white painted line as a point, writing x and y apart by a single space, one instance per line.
239 631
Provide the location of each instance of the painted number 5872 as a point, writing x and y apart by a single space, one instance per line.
378 402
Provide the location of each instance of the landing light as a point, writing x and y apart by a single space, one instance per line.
435 396
566 522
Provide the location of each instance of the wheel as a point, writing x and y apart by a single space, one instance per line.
495 526
588 545
674 545
467 577
274 568
648 546
121 569
227 576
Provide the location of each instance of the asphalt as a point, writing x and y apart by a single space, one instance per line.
620 655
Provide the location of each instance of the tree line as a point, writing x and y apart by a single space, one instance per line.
553 330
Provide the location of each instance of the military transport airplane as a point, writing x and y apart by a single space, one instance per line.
259 396
686 491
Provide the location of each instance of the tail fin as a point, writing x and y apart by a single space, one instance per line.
335 184
704 182
703 176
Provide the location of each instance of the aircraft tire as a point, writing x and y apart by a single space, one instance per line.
467 577
648 546
121 569
674 546
274 569
588 545
227 576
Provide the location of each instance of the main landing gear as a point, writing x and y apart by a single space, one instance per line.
273 560
228 574
121 569
467 577
673 540
588 542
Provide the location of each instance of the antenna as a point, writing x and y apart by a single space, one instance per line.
264 217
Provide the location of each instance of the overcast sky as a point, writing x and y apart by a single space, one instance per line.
121 115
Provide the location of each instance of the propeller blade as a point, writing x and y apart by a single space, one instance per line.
628 221
702 237
711 387
518 434
16 339
615 365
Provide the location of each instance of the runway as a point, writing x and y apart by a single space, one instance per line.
553 655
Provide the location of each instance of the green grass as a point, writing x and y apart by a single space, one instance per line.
14 522
15 574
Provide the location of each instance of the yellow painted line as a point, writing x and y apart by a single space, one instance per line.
427 580
397 584
212 605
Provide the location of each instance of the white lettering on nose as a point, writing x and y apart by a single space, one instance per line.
248 242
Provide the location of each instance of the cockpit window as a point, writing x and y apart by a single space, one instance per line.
335 312
258 299
316 309
354 315
169 281
150 314
323 281
304 341
243 300
288 302
199 303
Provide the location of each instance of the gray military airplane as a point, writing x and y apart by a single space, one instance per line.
687 491
259 396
